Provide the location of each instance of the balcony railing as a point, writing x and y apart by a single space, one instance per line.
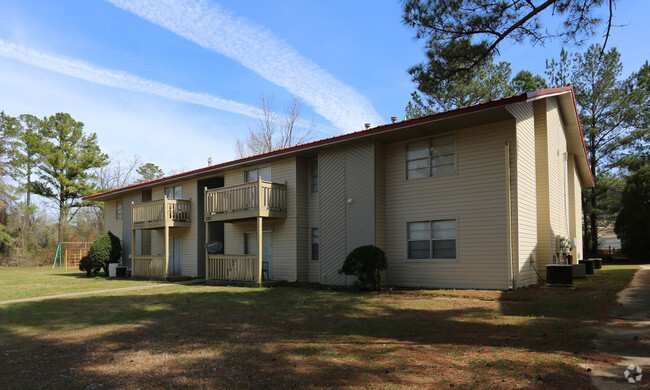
257 199
149 266
161 213
232 267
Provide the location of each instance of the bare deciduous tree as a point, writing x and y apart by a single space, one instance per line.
275 130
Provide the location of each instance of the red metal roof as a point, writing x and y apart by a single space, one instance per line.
357 134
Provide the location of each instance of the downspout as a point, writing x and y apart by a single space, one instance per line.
512 279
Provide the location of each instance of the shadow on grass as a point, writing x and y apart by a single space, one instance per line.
299 338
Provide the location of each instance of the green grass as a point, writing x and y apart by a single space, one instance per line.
16 283
197 336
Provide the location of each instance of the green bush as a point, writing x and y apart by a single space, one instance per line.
87 264
366 263
633 221
107 249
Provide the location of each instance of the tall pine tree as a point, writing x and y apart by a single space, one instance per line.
67 159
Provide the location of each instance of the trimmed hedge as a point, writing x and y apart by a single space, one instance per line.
107 249
366 263
88 265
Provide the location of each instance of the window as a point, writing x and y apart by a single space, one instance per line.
118 209
431 157
432 239
313 175
251 175
175 192
314 244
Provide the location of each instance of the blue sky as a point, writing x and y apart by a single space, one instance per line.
178 81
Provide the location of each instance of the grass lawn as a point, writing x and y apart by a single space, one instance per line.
16 283
199 336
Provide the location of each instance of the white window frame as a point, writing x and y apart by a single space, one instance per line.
431 239
431 158
257 174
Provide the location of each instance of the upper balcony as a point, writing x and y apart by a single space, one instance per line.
160 213
249 200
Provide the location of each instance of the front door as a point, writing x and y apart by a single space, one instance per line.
175 256
267 249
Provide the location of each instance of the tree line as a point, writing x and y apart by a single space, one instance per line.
53 160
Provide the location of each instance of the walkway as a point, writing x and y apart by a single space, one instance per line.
629 339
94 292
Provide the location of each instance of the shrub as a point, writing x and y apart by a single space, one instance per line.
633 221
366 263
107 249
87 264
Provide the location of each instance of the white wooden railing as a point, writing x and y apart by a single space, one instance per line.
161 212
148 266
261 198
231 267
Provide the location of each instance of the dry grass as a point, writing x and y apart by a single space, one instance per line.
221 337
16 283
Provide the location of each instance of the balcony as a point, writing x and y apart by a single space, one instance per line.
151 266
249 200
161 213
242 268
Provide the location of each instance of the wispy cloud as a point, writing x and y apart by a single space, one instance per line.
112 78
259 50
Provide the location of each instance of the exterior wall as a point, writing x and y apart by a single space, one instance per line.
524 194
110 223
346 206
313 218
558 174
575 208
544 250
189 235
380 200
332 214
552 181
284 231
302 220
475 197
121 228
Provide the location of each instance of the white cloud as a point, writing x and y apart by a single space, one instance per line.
161 131
259 50
112 78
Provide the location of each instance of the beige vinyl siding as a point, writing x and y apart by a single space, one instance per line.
111 224
577 213
558 175
332 214
313 222
544 249
380 221
524 193
475 197
575 208
302 220
346 207
284 231
189 262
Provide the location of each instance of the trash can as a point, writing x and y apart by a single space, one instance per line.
112 270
